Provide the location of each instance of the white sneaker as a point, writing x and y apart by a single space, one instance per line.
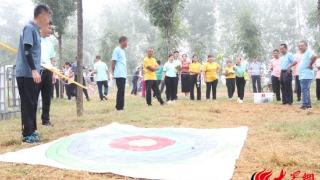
240 101
169 102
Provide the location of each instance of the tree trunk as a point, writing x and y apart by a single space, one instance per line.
80 58
61 62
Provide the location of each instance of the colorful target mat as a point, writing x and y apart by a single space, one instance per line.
167 153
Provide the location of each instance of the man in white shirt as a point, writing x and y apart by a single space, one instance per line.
46 87
101 71
256 69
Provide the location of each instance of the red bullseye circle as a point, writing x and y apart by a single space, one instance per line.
141 143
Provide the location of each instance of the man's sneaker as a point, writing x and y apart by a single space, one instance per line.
36 136
306 107
48 124
30 139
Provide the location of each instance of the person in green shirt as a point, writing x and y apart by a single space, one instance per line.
159 73
241 72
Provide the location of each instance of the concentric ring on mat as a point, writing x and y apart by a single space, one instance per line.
106 150
141 143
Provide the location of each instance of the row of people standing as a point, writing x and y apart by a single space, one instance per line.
192 74
302 65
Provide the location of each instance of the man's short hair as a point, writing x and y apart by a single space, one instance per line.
170 55
176 51
284 45
276 50
304 42
40 9
98 57
210 56
122 39
67 63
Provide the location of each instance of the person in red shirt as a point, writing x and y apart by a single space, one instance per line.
185 75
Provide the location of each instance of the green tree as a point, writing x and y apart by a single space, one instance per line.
11 27
314 25
166 15
108 42
132 23
248 34
200 18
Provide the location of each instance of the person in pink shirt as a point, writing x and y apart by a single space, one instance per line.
318 79
297 88
275 73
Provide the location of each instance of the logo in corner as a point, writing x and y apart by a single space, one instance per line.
265 175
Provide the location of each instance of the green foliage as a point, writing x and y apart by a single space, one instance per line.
62 10
314 24
280 25
108 42
200 19
166 15
131 23
248 34
10 28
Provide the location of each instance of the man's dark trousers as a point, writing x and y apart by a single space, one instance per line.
152 85
286 87
56 88
121 85
85 92
102 92
46 88
298 87
28 91
256 81
276 87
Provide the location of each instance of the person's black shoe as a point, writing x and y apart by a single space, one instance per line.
305 107
48 124
105 98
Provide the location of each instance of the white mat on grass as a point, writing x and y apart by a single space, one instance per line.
152 153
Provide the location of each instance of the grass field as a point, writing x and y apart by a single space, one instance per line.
279 136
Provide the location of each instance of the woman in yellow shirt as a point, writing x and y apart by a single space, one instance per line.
195 77
230 74
211 70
